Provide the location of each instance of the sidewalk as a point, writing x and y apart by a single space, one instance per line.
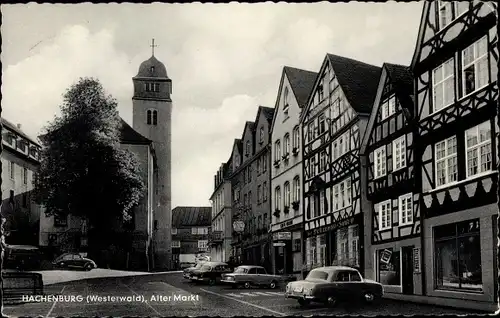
60 276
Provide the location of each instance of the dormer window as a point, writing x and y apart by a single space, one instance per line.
261 135
389 107
152 117
152 69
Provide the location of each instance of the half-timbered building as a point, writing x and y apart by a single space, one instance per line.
455 66
286 172
392 218
335 118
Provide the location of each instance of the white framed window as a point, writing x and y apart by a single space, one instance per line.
310 131
285 103
248 148
342 194
380 162
296 189
475 66
296 137
312 205
405 206
277 150
11 169
399 153
152 117
202 244
261 134
445 13
385 215
446 161
322 161
478 149
341 145
286 144
312 166
176 244
389 107
321 124
286 189
25 175
174 230
321 203
277 195
443 84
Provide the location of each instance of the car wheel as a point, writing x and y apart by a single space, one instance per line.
247 285
369 297
304 302
273 285
88 267
331 301
62 265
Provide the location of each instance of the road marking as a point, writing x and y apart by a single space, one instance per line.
234 295
248 294
54 304
147 304
244 302
276 293
262 294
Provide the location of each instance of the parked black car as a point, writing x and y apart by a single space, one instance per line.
210 272
22 257
74 260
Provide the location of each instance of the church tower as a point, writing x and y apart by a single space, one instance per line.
152 117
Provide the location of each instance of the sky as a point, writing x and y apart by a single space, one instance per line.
224 61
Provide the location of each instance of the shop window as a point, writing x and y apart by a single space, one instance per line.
458 256
389 271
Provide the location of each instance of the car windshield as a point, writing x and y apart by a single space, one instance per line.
317 275
241 270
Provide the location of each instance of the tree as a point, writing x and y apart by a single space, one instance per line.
83 171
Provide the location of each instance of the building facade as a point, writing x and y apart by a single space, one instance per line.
455 65
332 126
220 237
251 179
286 172
391 211
20 162
191 227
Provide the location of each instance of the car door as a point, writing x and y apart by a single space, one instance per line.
343 289
252 275
66 260
262 277
77 260
356 284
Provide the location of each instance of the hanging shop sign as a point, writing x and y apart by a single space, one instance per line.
282 236
331 227
385 256
238 226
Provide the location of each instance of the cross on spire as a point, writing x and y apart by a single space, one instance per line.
153 46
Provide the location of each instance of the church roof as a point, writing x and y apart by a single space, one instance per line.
152 68
129 135
359 81
302 83
190 216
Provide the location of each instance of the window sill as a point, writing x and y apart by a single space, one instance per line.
477 90
405 224
385 228
457 183
400 168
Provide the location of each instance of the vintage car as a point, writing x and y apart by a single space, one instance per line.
249 275
186 273
74 260
329 285
210 272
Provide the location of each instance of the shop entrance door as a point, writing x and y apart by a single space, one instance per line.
407 269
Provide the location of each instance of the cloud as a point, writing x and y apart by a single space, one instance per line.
224 61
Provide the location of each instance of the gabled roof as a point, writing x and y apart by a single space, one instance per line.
358 80
402 80
239 144
301 82
268 113
251 125
185 216
129 135
18 131
420 35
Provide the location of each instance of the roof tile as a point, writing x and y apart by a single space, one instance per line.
302 83
186 216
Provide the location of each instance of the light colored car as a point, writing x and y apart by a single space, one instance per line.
331 284
250 275
186 273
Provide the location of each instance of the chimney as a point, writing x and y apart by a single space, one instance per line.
19 126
